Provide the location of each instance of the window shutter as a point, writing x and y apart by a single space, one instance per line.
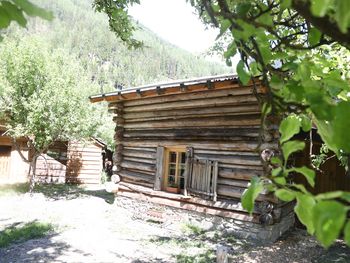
158 180
188 167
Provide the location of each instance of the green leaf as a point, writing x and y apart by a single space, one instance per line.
285 4
243 9
276 160
224 25
289 127
249 196
306 123
33 10
320 7
308 173
347 233
285 195
231 50
14 13
328 218
4 18
290 147
342 14
303 210
276 171
314 36
243 75
280 180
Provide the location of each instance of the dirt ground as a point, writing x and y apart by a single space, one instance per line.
91 225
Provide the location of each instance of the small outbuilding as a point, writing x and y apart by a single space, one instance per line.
194 144
65 162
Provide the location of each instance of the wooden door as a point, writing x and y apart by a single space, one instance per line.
5 162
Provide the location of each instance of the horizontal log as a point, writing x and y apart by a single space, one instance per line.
239 174
193 138
136 183
215 145
189 112
222 153
179 201
237 192
135 176
141 148
237 121
138 166
198 132
212 102
233 159
238 166
238 183
144 172
139 160
229 91
139 154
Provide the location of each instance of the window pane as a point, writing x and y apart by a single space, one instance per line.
172 157
172 169
182 158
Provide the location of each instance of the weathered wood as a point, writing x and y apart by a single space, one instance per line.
158 179
194 95
215 145
243 184
139 154
237 192
141 149
237 166
234 100
237 121
215 179
135 176
188 169
141 160
234 159
184 132
175 200
138 166
239 174
248 108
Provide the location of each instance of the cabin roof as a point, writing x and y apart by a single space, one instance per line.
164 88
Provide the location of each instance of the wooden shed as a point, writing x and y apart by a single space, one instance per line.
72 162
12 168
194 144
65 162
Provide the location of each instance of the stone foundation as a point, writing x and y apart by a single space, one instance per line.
167 215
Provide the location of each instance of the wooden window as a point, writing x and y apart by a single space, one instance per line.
175 164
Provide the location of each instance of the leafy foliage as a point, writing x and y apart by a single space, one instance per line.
42 95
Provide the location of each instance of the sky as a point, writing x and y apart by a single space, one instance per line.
175 21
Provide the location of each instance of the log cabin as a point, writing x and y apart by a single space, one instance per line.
195 144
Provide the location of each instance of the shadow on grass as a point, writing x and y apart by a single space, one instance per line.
33 242
12 189
18 232
71 191
57 191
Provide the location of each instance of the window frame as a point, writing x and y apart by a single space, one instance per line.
179 149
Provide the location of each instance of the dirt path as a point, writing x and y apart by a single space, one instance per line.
90 226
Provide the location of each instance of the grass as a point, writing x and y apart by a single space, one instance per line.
14 189
206 257
20 233
193 229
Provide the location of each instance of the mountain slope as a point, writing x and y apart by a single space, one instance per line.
85 35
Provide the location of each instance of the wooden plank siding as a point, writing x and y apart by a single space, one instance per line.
71 162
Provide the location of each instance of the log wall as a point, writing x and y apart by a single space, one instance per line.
220 125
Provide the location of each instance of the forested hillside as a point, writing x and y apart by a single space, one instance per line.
83 33
91 57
